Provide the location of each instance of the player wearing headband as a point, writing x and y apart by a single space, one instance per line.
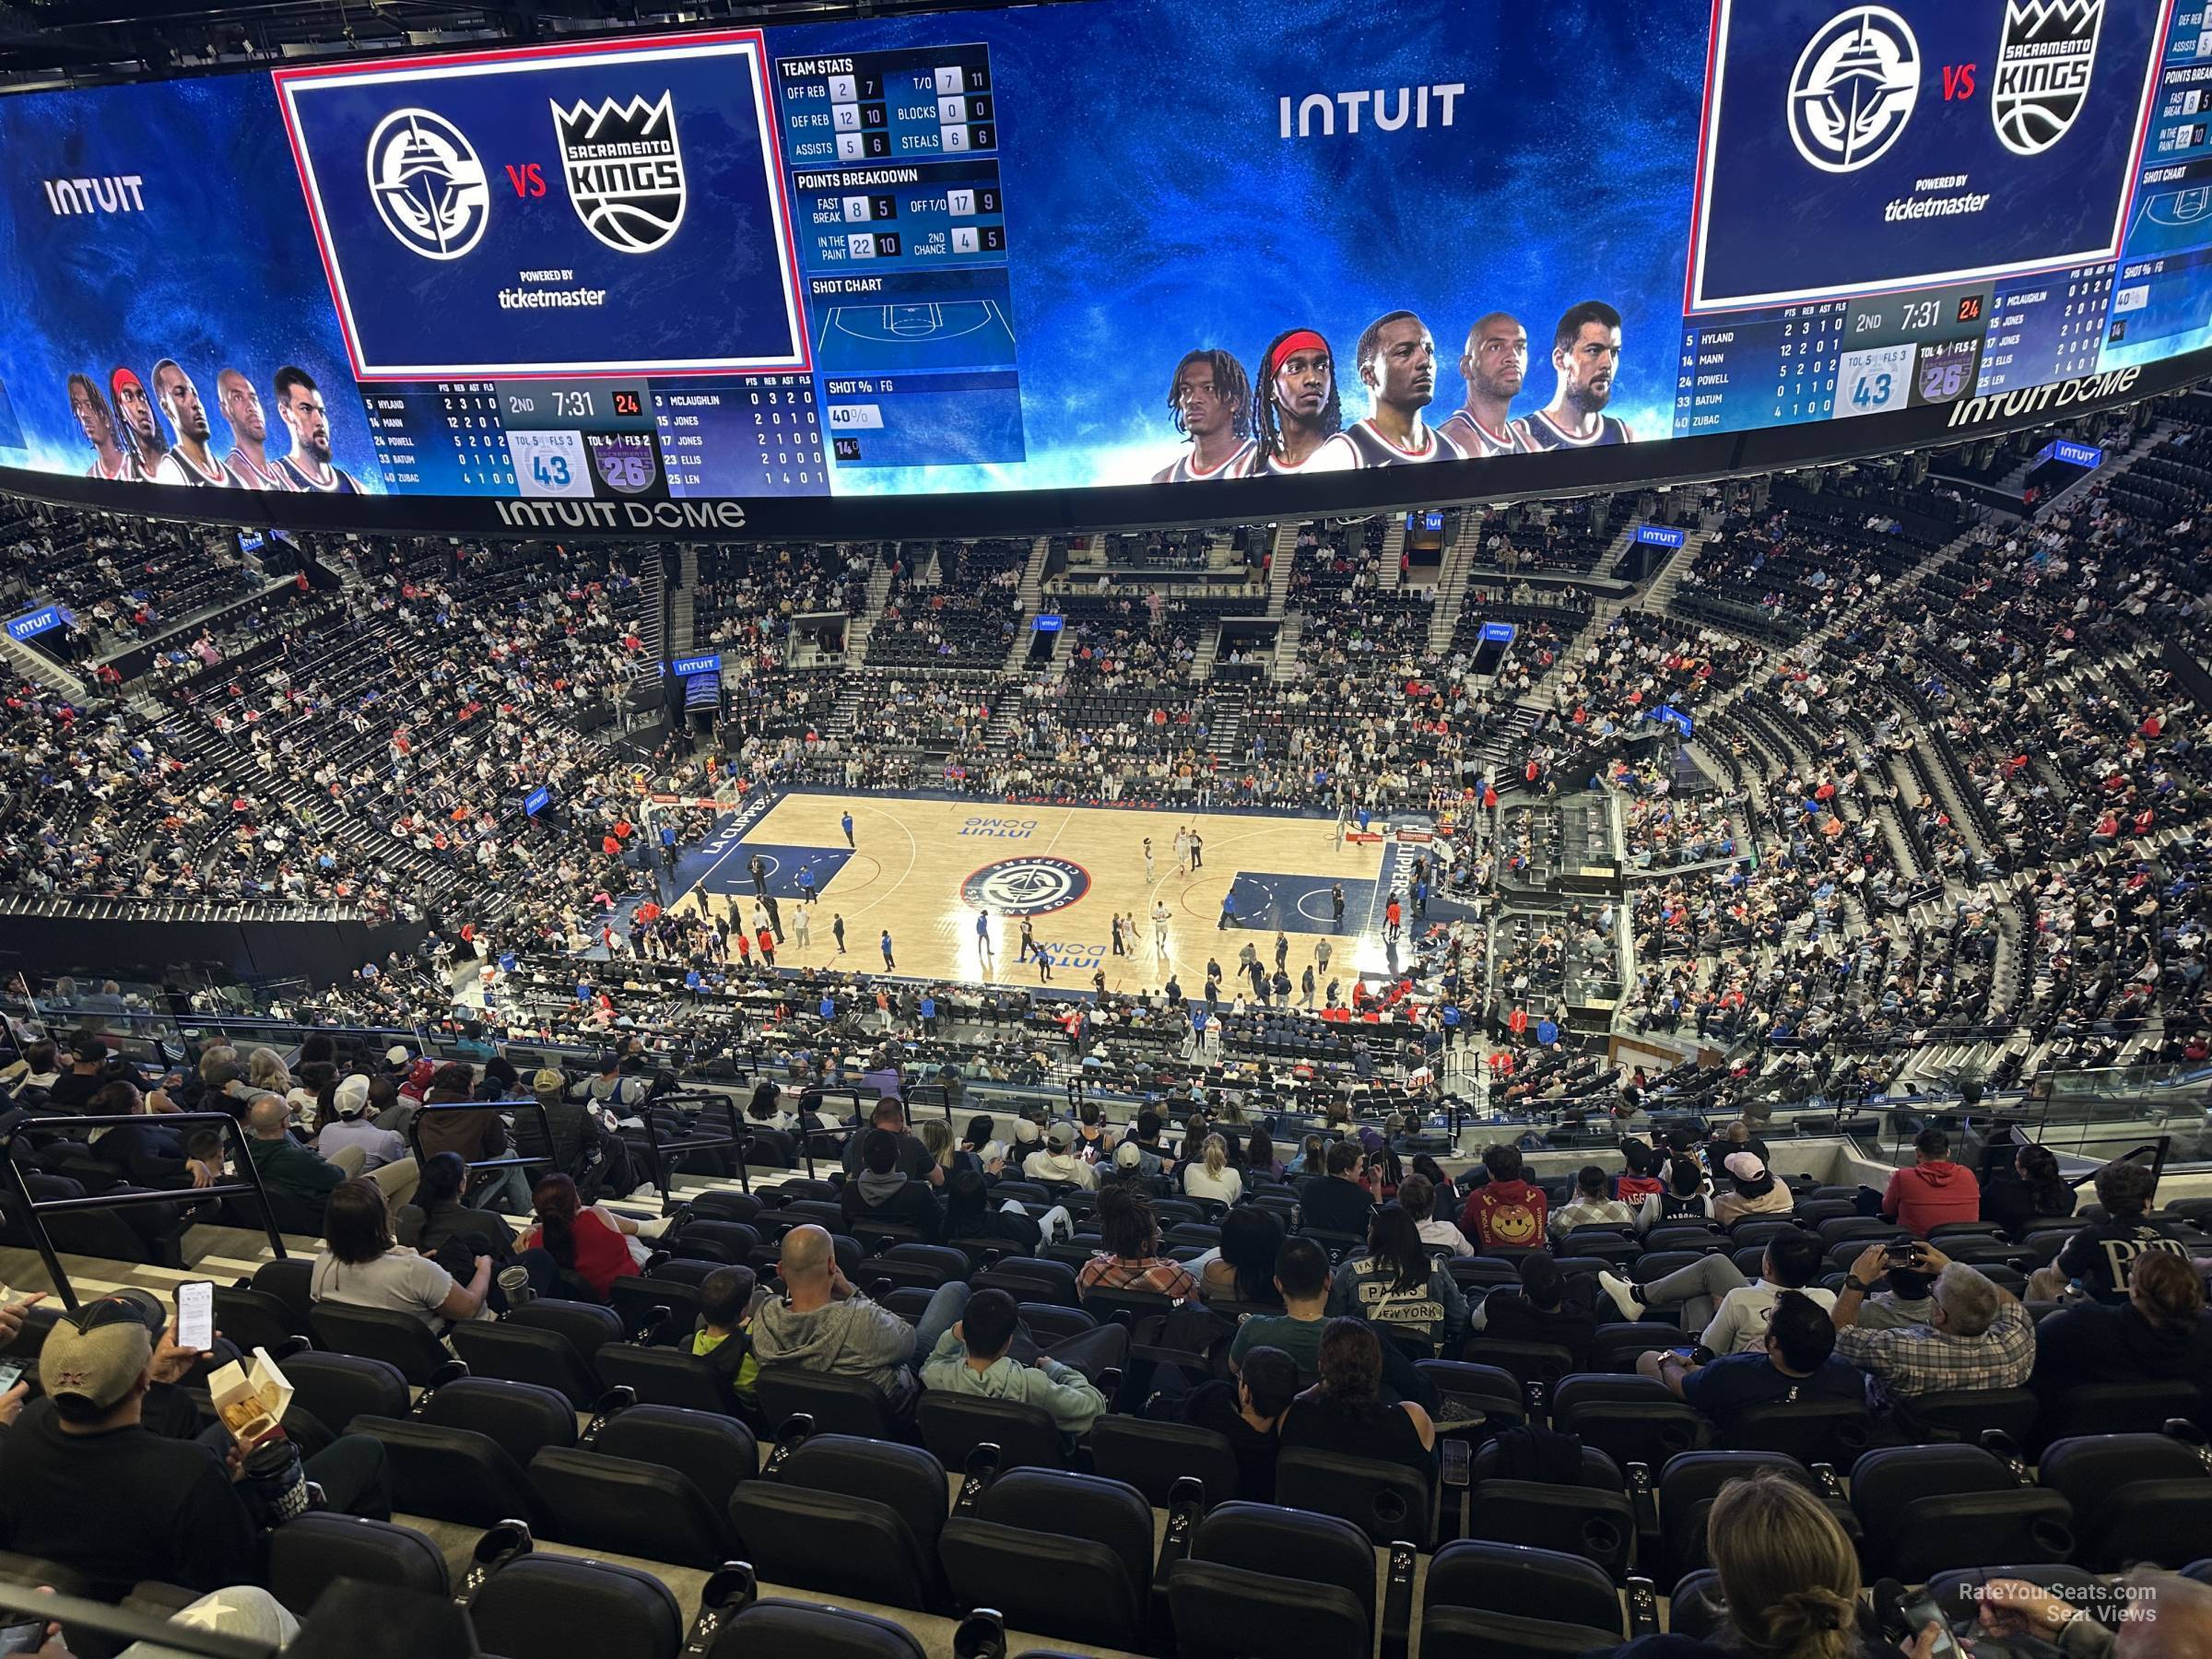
1299 409
128 391
113 457
1397 365
1586 351
1212 404
1495 365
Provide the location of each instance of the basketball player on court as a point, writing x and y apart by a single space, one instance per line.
113 456
191 461
1148 875
1299 408
1161 916
1212 404
1397 364
1495 365
1586 352
127 393
249 457
299 401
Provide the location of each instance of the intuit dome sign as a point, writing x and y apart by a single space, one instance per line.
2029 401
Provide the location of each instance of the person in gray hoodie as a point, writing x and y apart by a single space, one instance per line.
822 1325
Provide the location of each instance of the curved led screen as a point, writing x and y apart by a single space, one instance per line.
1072 247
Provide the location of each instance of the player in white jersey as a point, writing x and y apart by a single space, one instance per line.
189 461
249 458
112 455
1211 401
1397 365
299 401
1495 365
1299 408
1586 350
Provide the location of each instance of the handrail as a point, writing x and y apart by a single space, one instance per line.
516 1161
33 1210
706 1100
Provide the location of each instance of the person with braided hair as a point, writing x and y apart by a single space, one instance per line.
1789 1583
1210 399
1299 408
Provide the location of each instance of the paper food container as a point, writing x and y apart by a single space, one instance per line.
251 1397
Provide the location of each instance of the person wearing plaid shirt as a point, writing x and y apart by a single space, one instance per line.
1978 1336
1131 1259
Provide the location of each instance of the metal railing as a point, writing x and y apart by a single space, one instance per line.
516 1159
699 1103
31 1212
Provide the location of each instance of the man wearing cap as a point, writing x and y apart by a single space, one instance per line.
583 1147
102 1475
1057 1161
1750 1189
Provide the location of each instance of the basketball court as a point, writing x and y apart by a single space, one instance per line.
923 869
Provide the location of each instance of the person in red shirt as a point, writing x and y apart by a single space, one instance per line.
766 941
1934 1190
1506 1213
591 1244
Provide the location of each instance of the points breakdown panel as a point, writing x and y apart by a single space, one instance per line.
903 244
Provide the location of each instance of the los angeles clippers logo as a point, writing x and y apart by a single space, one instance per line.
624 171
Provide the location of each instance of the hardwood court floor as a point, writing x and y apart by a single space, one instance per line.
919 868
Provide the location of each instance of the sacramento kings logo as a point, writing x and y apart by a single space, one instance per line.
2044 60
1853 90
625 173
1027 886
624 459
428 187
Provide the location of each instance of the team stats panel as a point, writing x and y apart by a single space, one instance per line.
904 247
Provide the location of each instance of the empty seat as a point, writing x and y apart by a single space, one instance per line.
634 1298
1263 1580
524 1417
1632 1419
1811 1431
254 1319
1496 1601
1592 1518
518 1353
401 1340
548 1604
1544 1362
2136 1497
1968 1412
308 1552
452 1474
1059 1554
336 1388
2098 1408
630 1507
773 1628
849 1517
1927 1508
663 1376
836 1404
1152 1456
1390 1503
953 1425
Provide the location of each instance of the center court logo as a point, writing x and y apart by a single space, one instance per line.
1853 90
429 186
1027 886
2046 58
623 171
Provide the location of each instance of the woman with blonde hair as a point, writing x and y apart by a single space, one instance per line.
1210 1176
1789 1584
936 1135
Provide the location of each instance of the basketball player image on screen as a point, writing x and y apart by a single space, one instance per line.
1212 404
1586 352
299 401
249 458
1397 365
1299 408
1495 365
127 393
112 457
190 461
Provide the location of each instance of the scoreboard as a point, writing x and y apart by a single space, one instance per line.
1056 248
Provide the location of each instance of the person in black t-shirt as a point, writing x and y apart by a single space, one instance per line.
1538 1311
1798 1362
2096 1259
1345 1413
1339 1201
1247 1410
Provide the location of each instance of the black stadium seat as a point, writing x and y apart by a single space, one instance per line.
2136 1497
1496 1601
836 1404
309 1552
518 1353
1927 1508
546 1604
1389 1500
1059 1554
401 1340
1264 1579
773 1628
661 1376
953 1425
849 1517
1153 1456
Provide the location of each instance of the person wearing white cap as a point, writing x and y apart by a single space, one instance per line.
347 1128
1057 1161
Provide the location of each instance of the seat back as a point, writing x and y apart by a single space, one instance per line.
310 1550
1544 1362
450 1473
1230 1612
2136 1497
836 1404
630 1507
548 1604
1968 1412
336 1388
251 1319
519 1354
1288 1543
524 1417
1583 1521
1687 1487
1390 1502
778 1627
589 1326
1059 1554
399 1339
1811 1431
1152 1456
849 1517
713 1451
2100 1408
661 1376
1519 1582
1632 1419
633 1296
952 1425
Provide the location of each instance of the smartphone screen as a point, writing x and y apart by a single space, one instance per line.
1920 1615
23 1638
11 1373
195 1315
